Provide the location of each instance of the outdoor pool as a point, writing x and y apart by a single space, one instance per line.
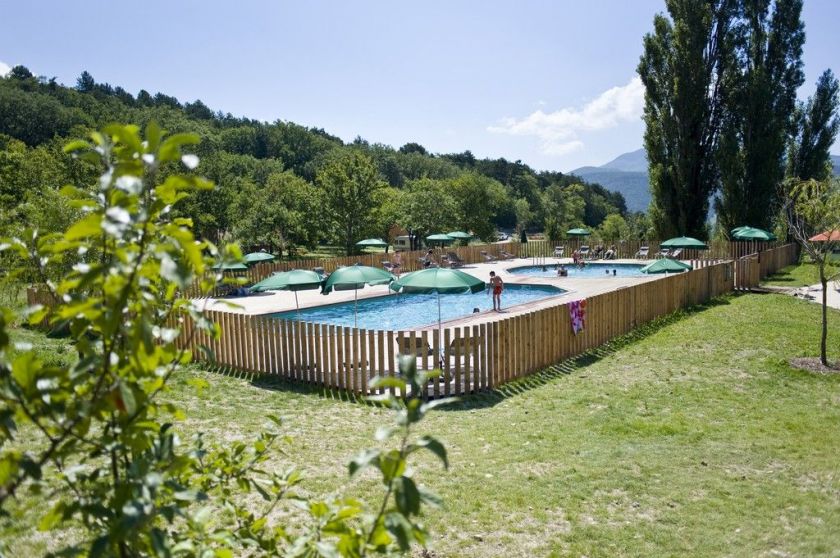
599 269
406 311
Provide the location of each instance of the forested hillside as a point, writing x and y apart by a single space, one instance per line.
280 185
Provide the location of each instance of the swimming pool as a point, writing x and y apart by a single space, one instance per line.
406 311
591 270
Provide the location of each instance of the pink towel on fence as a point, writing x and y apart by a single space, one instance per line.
577 313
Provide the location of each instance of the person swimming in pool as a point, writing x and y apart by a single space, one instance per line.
497 285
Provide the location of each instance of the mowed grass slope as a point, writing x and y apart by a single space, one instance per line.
803 274
695 438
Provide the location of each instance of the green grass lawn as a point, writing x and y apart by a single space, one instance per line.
692 438
800 275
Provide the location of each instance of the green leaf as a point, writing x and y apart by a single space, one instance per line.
406 496
434 446
363 460
76 145
430 498
387 382
25 369
127 396
88 226
170 149
52 517
400 528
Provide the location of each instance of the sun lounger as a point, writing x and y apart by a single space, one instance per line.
663 253
676 253
454 259
427 262
390 267
584 251
488 257
643 252
320 271
507 255
558 251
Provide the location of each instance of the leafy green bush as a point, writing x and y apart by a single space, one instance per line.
91 434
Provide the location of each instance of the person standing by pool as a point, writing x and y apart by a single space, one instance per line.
497 285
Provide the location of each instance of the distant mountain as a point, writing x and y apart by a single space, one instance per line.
627 174
635 161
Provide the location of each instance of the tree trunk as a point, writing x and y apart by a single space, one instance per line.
824 336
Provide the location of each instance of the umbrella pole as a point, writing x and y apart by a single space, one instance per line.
440 331
297 305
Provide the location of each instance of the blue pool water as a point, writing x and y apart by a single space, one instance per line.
405 311
590 270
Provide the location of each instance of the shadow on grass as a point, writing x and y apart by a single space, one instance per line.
485 398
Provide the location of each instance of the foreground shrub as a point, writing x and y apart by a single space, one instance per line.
93 436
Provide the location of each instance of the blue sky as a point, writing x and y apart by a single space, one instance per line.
550 83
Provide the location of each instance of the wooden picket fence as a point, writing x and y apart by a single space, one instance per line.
471 357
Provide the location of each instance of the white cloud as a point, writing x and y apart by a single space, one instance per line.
558 131
4 69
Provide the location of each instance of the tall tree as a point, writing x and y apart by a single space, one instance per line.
85 82
762 86
349 183
814 213
428 207
682 68
479 198
817 123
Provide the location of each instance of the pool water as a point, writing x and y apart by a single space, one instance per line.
406 311
590 270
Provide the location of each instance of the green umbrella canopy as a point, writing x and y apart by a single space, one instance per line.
439 238
665 265
438 280
684 242
459 234
294 280
231 267
752 233
255 257
355 277
374 242
577 232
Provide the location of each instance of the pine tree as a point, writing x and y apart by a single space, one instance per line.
85 83
683 69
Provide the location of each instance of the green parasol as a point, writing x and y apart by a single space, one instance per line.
577 232
255 257
684 242
372 242
665 265
440 239
355 277
294 280
438 280
230 267
752 233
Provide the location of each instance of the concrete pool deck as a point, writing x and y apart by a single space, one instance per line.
577 288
